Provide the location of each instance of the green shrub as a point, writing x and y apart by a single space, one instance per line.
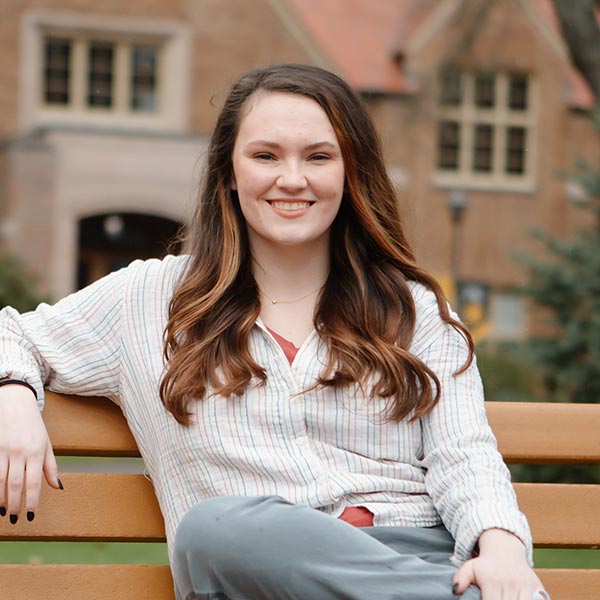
18 288
507 372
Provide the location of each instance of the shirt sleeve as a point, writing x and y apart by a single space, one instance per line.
73 346
466 476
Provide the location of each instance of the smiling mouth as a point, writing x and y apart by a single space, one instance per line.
290 206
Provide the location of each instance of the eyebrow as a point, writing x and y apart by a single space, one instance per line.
276 145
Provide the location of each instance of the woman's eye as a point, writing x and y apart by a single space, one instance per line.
319 157
264 156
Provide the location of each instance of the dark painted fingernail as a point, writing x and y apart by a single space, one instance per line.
60 485
30 515
2 511
13 519
454 588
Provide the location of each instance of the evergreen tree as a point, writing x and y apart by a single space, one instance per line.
567 286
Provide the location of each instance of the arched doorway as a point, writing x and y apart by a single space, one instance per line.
110 241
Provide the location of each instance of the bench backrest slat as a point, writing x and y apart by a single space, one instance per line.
92 582
142 582
534 432
94 507
85 511
527 432
561 515
80 426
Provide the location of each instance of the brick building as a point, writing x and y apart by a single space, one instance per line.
105 107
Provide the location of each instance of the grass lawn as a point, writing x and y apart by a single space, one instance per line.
83 552
562 559
101 552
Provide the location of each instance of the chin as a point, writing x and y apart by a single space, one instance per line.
295 241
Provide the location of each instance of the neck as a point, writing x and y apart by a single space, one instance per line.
287 272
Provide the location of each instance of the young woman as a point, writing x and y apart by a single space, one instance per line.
306 404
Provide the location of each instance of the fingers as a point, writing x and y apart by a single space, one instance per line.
3 478
463 578
51 469
497 582
466 576
33 486
14 487
21 482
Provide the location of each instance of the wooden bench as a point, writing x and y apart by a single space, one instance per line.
118 507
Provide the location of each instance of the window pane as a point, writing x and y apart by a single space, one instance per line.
508 316
517 92
57 70
143 78
515 149
483 144
100 75
485 90
450 87
449 145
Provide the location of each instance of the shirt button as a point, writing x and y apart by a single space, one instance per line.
301 441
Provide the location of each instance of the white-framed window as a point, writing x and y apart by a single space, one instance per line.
102 74
485 130
508 316
79 69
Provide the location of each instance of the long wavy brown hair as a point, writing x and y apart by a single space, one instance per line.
365 312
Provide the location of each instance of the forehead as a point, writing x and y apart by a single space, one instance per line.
279 112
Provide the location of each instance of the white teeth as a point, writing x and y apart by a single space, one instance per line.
290 205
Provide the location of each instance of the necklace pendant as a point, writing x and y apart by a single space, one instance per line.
273 301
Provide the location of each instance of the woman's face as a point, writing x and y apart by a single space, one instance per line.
288 170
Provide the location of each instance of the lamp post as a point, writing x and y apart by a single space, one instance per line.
457 203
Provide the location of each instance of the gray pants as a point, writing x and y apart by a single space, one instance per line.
264 548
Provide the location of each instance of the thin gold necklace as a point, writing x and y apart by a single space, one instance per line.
290 301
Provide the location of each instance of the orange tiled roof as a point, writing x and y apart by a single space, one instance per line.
363 39
360 37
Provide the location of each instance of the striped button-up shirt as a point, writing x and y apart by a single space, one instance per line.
325 448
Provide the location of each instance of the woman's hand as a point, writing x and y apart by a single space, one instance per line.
25 453
501 570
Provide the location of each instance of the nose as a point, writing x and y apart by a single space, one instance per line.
291 177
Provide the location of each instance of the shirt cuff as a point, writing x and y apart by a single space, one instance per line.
483 518
24 374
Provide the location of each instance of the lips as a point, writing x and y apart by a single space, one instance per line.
290 209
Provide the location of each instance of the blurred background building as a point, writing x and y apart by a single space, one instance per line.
105 109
